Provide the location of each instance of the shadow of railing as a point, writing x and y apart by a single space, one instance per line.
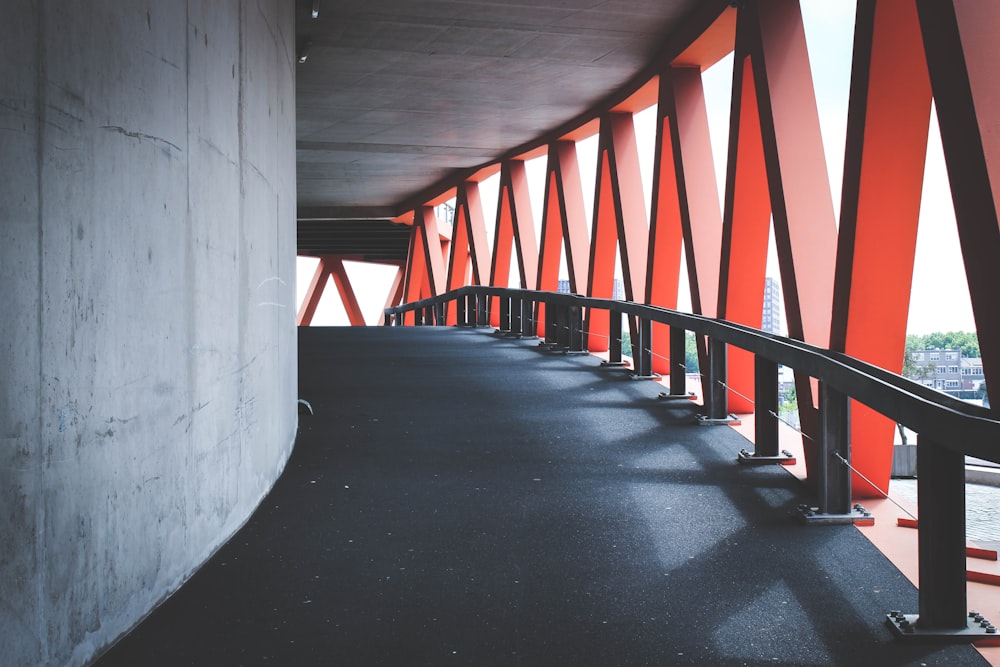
948 429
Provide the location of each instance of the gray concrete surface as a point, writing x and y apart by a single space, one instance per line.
147 339
459 498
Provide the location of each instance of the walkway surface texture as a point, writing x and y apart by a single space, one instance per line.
463 499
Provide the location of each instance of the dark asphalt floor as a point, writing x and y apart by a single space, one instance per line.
463 499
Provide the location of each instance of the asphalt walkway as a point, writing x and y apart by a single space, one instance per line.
463 499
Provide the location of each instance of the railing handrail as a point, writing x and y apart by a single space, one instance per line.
963 427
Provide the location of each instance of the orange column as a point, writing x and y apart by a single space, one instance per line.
415 278
804 226
665 233
515 229
469 242
962 52
313 294
564 225
395 295
883 177
350 301
745 227
603 244
434 249
619 219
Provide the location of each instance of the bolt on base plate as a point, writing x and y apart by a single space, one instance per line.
811 516
906 626
785 458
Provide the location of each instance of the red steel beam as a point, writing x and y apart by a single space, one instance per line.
962 51
746 223
313 295
805 231
619 220
564 224
515 231
886 149
347 296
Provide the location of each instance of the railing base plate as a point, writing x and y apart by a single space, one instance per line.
906 627
731 420
811 516
785 458
664 396
614 364
652 376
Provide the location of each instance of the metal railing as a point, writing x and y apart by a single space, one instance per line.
948 429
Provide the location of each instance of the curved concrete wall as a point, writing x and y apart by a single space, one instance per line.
147 337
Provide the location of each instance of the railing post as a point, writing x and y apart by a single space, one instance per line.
615 340
461 312
562 327
833 478
941 507
642 352
504 314
429 315
835 450
528 328
483 318
551 324
765 447
441 313
714 389
515 315
941 549
575 322
678 366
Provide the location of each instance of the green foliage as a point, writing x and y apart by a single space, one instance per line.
965 341
690 353
789 403
690 350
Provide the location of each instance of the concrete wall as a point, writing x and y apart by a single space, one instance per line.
147 338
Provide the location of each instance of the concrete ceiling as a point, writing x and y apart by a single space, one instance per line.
396 96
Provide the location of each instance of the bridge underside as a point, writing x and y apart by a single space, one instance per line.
460 497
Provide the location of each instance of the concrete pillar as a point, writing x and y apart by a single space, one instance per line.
147 316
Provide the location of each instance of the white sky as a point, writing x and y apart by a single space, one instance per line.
939 298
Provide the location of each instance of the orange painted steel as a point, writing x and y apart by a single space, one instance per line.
619 221
962 51
883 179
564 225
846 289
665 233
805 231
313 295
425 275
467 264
330 266
350 301
685 202
515 230
395 295
745 226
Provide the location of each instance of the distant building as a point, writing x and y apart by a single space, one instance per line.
771 317
948 371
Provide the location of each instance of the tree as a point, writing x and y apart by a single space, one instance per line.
965 341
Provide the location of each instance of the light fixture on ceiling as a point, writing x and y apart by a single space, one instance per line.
304 51
315 9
